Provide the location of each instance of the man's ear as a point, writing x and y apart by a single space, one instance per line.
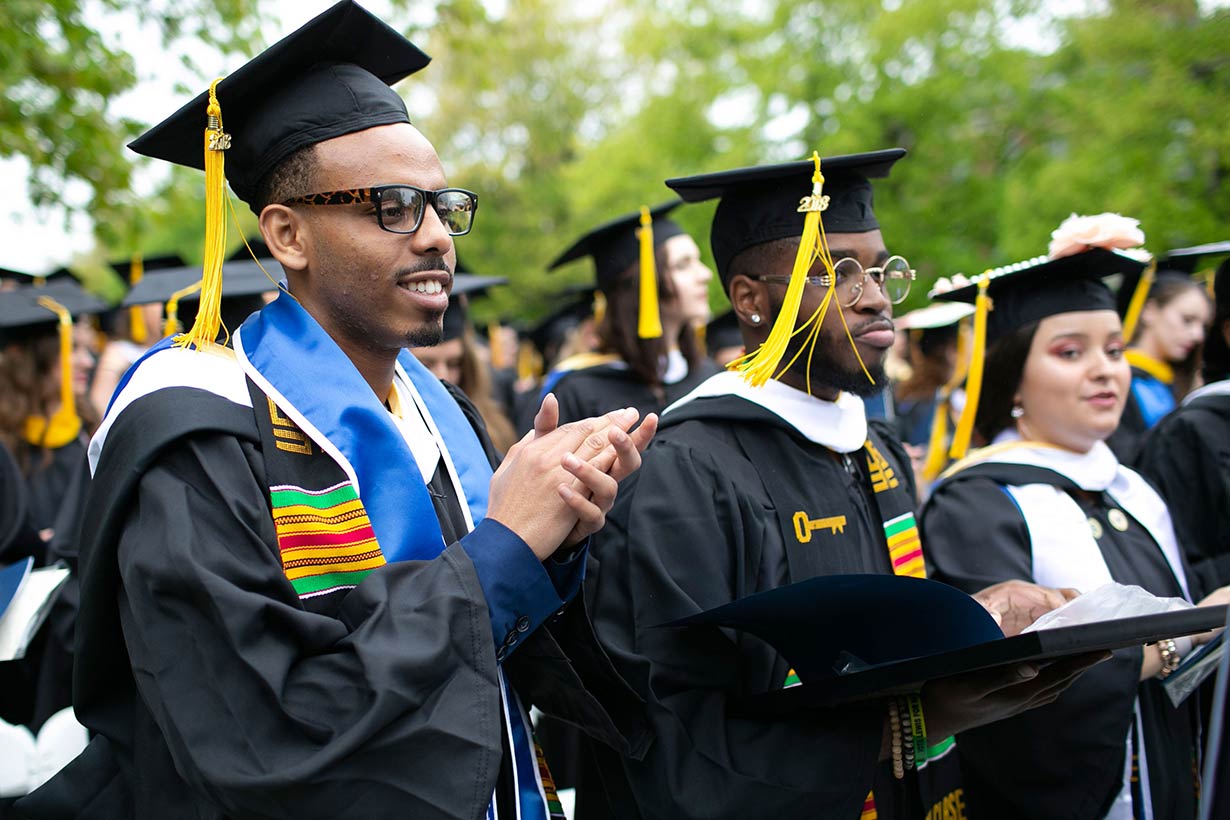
750 300
285 232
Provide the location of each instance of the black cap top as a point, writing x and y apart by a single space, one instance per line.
615 245
760 204
328 79
238 279
150 265
464 286
18 277
1186 259
259 250
1037 288
21 314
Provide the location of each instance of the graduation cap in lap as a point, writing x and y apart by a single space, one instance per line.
33 310
329 78
617 245
803 199
1008 298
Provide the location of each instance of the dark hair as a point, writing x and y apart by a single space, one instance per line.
1001 378
1164 291
1216 350
288 179
772 256
618 329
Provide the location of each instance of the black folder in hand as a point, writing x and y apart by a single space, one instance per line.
855 637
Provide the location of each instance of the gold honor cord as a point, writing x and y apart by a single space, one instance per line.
649 321
937 451
1139 297
64 425
171 326
760 366
973 384
204 332
136 317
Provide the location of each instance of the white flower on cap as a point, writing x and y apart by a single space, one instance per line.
1080 233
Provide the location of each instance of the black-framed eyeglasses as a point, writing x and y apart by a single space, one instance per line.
400 208
894 277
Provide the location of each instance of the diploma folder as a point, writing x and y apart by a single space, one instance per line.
856 637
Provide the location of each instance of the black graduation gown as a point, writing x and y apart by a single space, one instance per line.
697 527
1187 457
377 702
1064 760
592 391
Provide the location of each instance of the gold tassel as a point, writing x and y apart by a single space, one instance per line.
172 327
937 451
64 425
1139 297
495 345
599 308
649 323
529 362
763 364
208 324
136 316
973 384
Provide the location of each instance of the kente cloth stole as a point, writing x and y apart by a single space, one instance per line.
938 777
345 507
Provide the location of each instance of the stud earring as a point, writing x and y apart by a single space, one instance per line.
755 317
1017 411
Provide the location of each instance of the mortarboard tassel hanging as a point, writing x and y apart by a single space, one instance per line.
762 365
649 322
136 316
973 382
208 322
172 326
937 449
1139 297
64 424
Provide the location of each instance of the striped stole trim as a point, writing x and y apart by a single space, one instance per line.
904 546
325 538
869 808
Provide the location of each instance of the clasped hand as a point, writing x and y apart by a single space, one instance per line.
556 485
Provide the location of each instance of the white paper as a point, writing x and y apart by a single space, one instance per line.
1108 602
26 611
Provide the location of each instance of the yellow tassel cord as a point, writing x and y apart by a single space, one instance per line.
136 316
599 308
495 345
529 362
763 364
64 424
937 449
172 327
649 322
1139 297
973 383
208 324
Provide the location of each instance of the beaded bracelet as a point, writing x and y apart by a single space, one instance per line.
1170 658
907 736
894 723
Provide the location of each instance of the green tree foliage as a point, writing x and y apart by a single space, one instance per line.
562 115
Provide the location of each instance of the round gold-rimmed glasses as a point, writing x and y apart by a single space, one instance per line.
894 277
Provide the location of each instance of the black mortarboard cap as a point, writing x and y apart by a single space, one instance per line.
723 331
21 314
23 278
760 204
150 265
327 79
1186 259
464 286
240 278
615 245
1032 290
252 249
575 306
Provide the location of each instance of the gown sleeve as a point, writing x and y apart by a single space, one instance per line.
270 710
681 539
1189 472
972 557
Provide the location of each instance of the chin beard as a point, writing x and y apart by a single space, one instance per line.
829 368
427 335
855 381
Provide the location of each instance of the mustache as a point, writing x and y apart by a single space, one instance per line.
878 323
425 266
